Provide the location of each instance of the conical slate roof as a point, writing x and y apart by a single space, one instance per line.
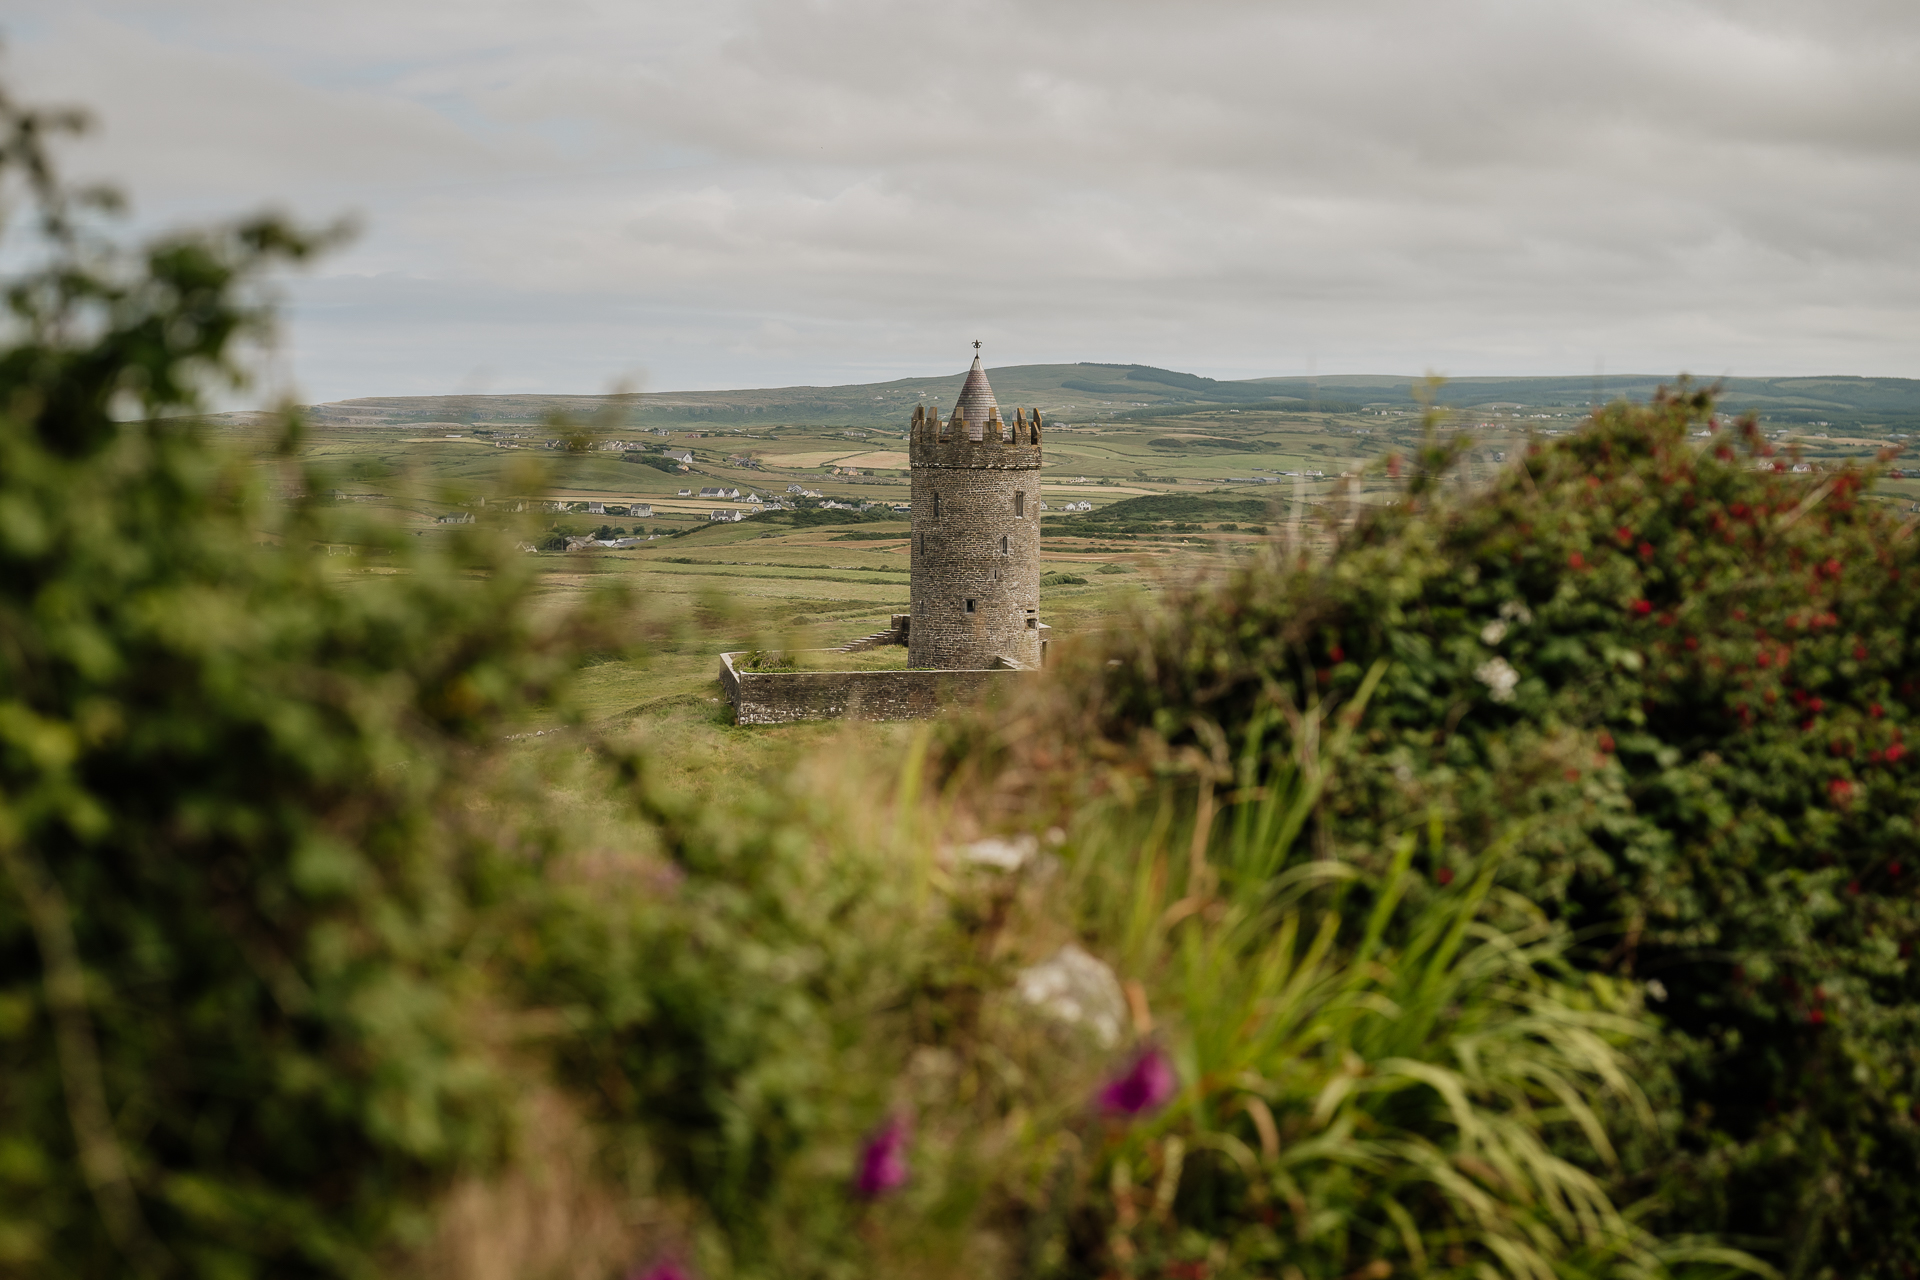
976 398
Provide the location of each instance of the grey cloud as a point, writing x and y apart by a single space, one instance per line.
766 191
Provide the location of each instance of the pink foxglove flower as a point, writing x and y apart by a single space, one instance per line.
1146 1086
665 1270
883 1161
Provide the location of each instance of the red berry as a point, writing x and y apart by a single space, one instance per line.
1444 875
1643 607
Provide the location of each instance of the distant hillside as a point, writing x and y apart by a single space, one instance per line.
1092 391
1843 401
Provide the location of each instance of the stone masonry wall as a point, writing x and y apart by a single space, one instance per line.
781 697
964 504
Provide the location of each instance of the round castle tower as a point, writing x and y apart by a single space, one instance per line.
976 533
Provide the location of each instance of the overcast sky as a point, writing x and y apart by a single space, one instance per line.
572 195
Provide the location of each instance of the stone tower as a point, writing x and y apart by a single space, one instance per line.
976 533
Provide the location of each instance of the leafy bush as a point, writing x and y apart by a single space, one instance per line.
293 939
1686 669
239 835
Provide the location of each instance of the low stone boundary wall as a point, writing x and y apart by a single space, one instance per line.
781 697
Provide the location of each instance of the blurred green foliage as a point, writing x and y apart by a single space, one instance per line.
238 805
285 920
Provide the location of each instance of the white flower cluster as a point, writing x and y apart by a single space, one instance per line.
1510 612
1499 676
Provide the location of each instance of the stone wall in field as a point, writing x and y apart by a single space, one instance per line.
781 697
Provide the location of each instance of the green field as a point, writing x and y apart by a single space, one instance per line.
1179 483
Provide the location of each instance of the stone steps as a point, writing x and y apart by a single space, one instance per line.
877 640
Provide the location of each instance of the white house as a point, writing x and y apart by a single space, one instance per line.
725 515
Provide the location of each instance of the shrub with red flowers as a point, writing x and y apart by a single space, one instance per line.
1680 676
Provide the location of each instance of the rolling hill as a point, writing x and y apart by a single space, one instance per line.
1098 392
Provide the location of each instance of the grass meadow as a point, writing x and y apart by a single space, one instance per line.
710 587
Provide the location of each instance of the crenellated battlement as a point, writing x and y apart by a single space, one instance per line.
994 443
